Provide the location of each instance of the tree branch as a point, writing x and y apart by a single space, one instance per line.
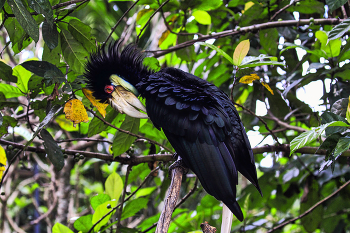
243 30
171 199
283 9
309 210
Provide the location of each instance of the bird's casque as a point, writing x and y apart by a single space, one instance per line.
199 120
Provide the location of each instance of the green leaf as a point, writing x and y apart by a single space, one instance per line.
123 141
82 33
23 77
2 3
54 152
25 19
114 186
134 206
65 124
240 52
152 63
99 199
217 72
7 121
43 7
311 221
342 145
101 211
145 191
60 228
41 68
52 56
84 223
340 107
219 51
316 52
207 5
339 30
73 52
332 47
10 91
97 126
269 40
50 35
6 73
202 17
311 135
335 4
308 7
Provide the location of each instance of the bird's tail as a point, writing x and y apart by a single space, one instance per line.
226 220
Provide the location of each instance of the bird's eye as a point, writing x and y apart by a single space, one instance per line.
109 89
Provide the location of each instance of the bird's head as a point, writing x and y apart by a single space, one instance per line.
113 74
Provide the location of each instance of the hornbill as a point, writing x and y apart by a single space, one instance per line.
199 120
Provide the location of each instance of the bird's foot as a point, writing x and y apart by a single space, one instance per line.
178 163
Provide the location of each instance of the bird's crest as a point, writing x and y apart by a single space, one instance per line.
109 60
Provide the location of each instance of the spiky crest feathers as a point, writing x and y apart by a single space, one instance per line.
127 64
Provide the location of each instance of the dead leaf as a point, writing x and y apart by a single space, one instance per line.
249 78
267 87
163 37
100 106
75 111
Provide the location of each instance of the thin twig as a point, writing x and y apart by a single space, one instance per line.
260 119
84 139
170 30
132 194
127 132
310 209
286 125
121 18
160 7
283 9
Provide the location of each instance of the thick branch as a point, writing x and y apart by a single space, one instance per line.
171 199
243 30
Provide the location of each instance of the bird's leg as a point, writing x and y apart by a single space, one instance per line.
178 163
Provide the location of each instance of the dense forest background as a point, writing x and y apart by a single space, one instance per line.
67 166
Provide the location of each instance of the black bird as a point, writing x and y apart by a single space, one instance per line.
199 120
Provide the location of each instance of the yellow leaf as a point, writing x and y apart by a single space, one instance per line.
142 13
3 158
249 78
247 6
2 169
75 111
267 87
100 106
163 37
240 52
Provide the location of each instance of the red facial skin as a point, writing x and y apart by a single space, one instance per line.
109 89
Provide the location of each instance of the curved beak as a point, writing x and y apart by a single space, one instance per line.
126 102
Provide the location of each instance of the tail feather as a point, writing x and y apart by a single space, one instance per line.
235 209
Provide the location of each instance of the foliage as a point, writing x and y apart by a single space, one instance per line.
69 163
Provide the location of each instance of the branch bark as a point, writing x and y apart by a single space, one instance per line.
171 199
243 30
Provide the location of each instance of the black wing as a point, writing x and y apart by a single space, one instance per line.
204 128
